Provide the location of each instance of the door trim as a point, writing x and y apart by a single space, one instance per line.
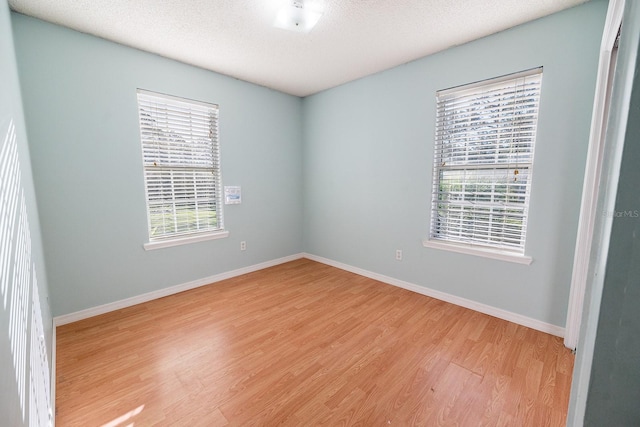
591 185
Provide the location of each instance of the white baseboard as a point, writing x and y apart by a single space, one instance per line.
128 302
443 296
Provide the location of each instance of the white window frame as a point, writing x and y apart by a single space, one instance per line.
482 166
182 176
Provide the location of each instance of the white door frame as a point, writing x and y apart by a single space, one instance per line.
590 189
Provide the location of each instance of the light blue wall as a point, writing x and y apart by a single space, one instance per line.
606 378
614 391
608 329
20 282
80 103
353 163
368 149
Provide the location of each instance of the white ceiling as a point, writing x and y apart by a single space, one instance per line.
354 38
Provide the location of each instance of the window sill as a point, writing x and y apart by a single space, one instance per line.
159 244
470 250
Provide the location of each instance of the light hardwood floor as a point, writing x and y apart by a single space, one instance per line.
305 344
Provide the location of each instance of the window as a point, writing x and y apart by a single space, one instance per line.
180 152
484 144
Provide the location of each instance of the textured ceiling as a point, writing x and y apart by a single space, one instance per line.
354 38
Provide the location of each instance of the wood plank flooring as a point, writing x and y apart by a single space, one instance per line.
305 344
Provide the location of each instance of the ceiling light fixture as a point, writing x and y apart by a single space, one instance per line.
298 16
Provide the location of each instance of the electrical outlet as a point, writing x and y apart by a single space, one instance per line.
399 254
243 246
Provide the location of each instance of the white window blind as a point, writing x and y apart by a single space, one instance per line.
484 144
181 157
